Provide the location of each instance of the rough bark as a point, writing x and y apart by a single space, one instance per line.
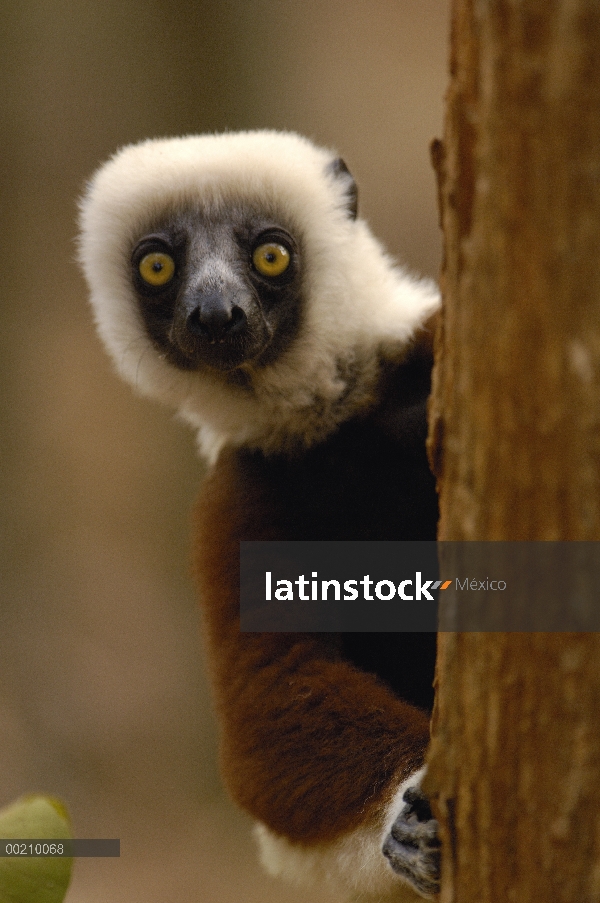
515 440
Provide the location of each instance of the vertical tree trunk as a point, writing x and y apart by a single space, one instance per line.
515 441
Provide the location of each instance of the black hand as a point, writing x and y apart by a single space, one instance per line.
412 846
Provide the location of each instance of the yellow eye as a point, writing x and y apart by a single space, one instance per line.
271 259
157 268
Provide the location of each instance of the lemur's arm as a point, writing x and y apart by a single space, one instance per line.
310 746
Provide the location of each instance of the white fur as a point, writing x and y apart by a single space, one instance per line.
354 864
360 306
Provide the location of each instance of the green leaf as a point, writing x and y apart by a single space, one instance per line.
25 879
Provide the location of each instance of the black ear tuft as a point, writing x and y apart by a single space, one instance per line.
339 170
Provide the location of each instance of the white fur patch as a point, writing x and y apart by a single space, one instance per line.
353 866
360 306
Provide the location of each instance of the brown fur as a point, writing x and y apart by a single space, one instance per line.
310 745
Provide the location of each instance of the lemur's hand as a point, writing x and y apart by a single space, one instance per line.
412 846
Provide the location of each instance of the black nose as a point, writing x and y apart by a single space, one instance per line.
214 317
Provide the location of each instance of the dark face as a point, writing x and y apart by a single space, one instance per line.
218 292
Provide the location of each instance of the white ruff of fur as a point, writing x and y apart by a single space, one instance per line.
359 309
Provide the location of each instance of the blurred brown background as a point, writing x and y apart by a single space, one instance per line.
102 696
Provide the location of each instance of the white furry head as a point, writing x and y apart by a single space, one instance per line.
358 308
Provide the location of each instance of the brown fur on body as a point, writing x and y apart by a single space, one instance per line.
311 745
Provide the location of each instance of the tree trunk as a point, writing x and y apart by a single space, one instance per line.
515 441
